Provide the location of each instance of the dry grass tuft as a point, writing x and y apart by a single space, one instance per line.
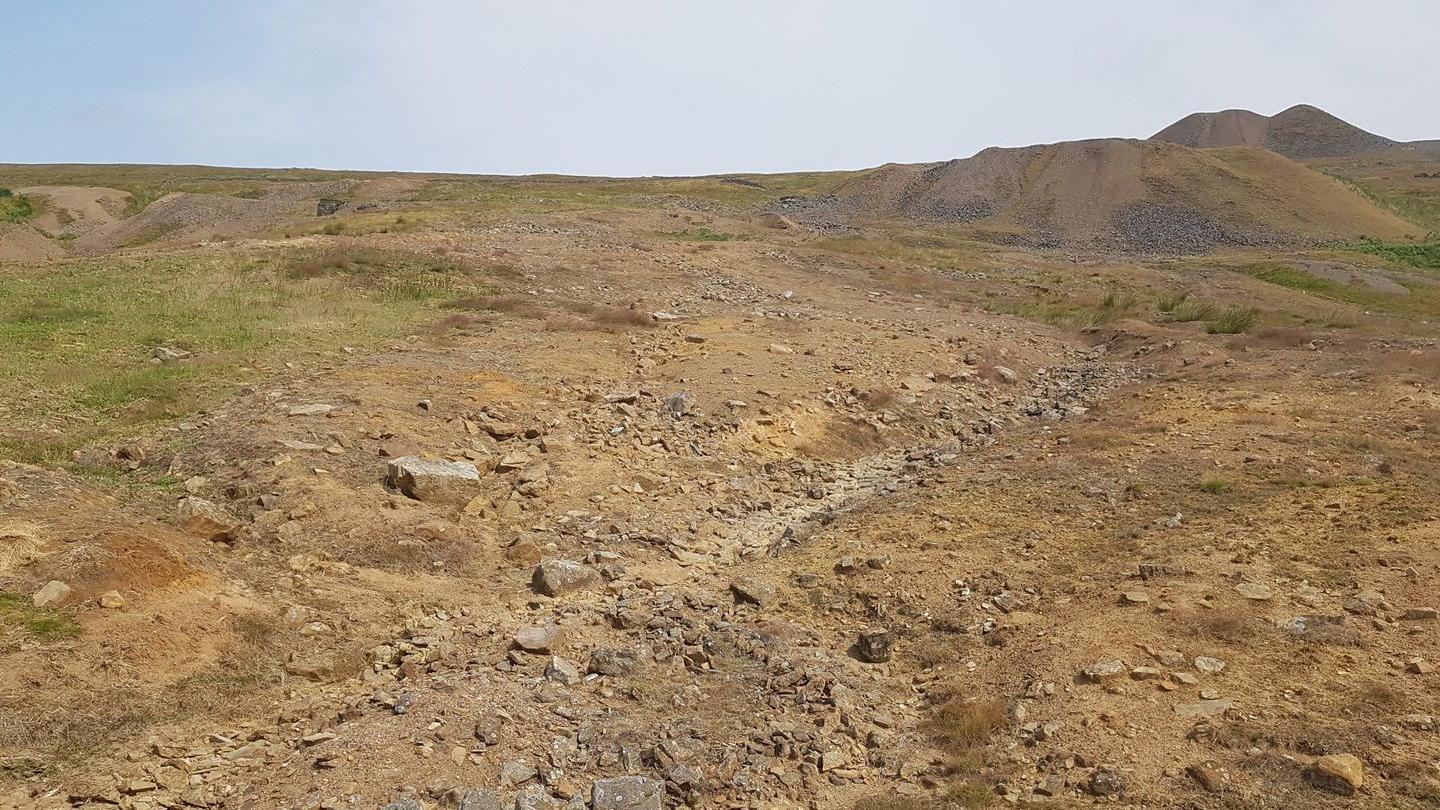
19 544
842 438
1224 624
1283 337
967 724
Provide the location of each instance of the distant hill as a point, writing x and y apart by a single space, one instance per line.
1121 194
1300 132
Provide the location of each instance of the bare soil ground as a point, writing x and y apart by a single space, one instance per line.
764 515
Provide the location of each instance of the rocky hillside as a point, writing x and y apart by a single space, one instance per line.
1120 194
1299 132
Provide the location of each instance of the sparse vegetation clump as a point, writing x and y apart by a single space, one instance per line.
21 622
702 235
1187 310
1232 320
80 337
15 207
1215 485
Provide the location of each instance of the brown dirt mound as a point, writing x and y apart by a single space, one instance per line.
22 243
1300 132
77 210
183 218
1124 194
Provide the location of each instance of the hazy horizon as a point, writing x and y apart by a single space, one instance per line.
653 88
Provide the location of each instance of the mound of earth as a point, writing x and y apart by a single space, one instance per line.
23 243
77 210
1121 194
1300 132
183 217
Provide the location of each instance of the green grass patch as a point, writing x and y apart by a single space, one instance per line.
15 207
1233 321
1294 279
1425 254
701 235
76 341
21 621
1187 311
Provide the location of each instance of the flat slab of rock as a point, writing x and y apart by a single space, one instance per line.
540 638
54 592
556 577
453 482
627 793
1104 670
1204 708
1254 591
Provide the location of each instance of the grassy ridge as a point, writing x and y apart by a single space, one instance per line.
79 337
530 194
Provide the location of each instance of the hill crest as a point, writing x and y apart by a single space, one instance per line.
1299 132
1114 193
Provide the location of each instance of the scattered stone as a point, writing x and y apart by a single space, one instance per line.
477 799
678 404
1106 781
562 671
777 348
112 600
1184 678
613 661
873 646
1204 708
752 590
516 772
1104 670
487 730
1421 614
1338 773
1135 598
555 577
1254 591
540 638
1209 665
1419 722
499 430
1146 674
1209 776
1007 374
627 793
449 482
169 354
204 519
1053 785
1367 603
53 592
316 409
1419 666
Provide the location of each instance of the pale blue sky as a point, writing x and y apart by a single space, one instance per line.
626 87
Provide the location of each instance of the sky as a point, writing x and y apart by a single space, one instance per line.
678 87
